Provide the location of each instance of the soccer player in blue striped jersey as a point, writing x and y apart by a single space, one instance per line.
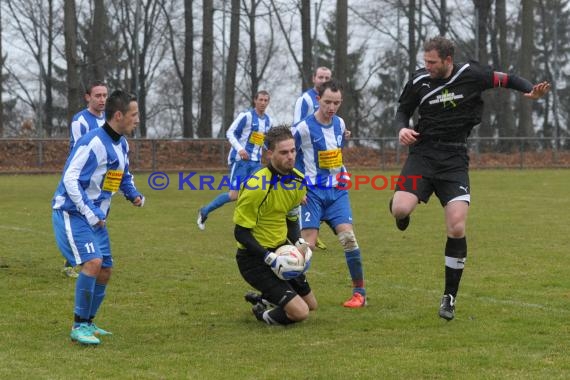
85 121
97 168
91 117
319 140
247 136
308 103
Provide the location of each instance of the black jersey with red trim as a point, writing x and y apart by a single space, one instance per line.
448 108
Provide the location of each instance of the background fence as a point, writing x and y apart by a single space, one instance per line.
34 155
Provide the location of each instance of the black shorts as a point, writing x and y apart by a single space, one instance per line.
259 275
444 170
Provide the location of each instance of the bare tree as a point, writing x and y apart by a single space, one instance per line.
257 66
206 98
231 66
505 120
2 59
183 74
96 47
412 50
188 120
307 43
341 50
70 33
134 20
525 66
482 10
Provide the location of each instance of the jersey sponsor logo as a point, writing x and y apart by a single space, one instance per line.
112 180
330 159
447 98
257 138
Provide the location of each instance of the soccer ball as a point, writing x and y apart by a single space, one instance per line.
295 257
288 269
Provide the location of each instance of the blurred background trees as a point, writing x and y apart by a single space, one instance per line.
195 64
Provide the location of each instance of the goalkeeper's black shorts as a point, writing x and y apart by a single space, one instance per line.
259 275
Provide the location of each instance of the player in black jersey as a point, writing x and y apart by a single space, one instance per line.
448 98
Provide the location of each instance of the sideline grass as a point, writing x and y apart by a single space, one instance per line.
175 302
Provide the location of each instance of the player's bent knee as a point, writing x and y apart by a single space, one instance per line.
348 240
297 309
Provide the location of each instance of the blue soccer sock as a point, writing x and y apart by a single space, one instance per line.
84 289
98 296
354 263
218 202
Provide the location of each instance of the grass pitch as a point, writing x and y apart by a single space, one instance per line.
175 302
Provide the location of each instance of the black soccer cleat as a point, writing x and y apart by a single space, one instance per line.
447 307
258 309
403 223
253 298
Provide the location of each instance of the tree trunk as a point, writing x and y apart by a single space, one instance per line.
505 119
442 18
483 8
48 80
341 57
70 33
525 65
96 47
231 67
307 44
188 127
253 50
206 98
1 77
412 38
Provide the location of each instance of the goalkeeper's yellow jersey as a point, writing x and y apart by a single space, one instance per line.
266 201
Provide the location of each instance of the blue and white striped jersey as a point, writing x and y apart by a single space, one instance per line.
82 123
319 150
307 104
248 132
97 168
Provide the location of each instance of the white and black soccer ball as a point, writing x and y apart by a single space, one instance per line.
295 260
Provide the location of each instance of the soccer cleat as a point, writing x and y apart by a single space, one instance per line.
99 331
70 272
258 309
357 300
84 334
447 307
320 244
403 223
201 221
255 298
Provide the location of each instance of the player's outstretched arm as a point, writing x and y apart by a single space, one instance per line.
538 90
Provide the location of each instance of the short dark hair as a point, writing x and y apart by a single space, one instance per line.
333 85
277 134
444 47
95 83
119 100
261 92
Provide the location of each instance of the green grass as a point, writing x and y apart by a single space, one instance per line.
175 302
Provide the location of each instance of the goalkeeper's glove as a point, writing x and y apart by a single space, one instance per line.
284 267
306 251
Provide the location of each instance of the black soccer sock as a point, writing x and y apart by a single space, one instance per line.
277 316
455 256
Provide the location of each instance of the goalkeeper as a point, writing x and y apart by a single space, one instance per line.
265 218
